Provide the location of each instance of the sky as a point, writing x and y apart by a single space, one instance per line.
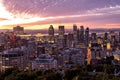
39 14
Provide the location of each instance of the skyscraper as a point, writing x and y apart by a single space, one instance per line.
81 34
93 36
113 38
119 37
75 36
106 36
51 34
74 27
61 31
61 39
87 36
70 40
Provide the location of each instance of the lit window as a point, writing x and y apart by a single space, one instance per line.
6 58
42 66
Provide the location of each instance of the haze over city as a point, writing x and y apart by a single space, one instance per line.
39 14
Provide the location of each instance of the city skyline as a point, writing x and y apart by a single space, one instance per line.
39 14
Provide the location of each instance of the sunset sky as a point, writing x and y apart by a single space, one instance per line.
39 14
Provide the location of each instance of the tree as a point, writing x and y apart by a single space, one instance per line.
22 76
10 77
54 76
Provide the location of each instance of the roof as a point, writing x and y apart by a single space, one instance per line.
117 52
44 59
12 53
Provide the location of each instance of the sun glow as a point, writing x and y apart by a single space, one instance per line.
9 19
4 13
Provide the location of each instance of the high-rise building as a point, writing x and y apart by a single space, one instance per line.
70 40
51 34
93 36
81 34
18 30
61 39
74 27
2 37
119 37
87 36
113 39
106 36
75 36
61 31
78 34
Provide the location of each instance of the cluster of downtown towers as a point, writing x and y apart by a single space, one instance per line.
78 35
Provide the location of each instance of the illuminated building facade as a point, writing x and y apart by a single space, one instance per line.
18 30
44 62
81 34
87 36
51 34
11 59
61 39
75 36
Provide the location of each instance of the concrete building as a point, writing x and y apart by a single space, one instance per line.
81 34
116 55
51 34
12 58
70 40
72 56
61 38
18 30
97 52
44 62
87 37
75 36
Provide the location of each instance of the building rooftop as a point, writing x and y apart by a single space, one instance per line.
117 52
12 53
44 59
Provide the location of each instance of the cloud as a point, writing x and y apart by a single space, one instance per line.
41 12
2 19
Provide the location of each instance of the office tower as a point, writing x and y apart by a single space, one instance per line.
106 36
81 34
70 40
51 34
75 35
2 40
93 36
113 39
96 51
65 40
18 30
119 37
78 34
61 41
74 27
61 31
87 36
